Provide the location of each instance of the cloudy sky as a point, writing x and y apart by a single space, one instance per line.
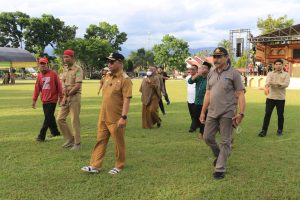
202 23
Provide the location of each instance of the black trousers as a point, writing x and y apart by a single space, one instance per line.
161 106
49 121
270 104
167 98
197 112
191 107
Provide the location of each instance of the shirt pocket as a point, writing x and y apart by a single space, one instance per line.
227 84
117 87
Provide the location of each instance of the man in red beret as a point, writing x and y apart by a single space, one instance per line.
48 84
71 82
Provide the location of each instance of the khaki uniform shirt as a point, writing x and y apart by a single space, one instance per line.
281 78
116 87
223 86
150 89
71 76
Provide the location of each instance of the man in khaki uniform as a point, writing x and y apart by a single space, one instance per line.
224 84
71 83
151 94
116 95
276 84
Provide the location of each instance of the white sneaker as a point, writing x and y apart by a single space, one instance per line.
90 169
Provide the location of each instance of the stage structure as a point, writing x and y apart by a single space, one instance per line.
240 43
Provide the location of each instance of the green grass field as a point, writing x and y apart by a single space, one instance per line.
165 163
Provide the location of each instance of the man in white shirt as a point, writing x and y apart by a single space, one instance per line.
191 91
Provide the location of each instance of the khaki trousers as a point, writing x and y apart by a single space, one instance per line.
105 130
72 106
221 151
150 113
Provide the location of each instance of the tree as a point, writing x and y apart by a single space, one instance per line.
242 61
272 24
91 53
171 53
12 27
108 32
142 58
47 30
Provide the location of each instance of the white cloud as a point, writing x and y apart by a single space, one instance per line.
201 23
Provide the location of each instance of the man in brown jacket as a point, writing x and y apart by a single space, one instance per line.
151 94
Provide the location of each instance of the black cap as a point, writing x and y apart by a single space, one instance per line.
207 64
220 51
115 56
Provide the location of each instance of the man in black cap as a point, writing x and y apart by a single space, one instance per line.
224 85
116 95
200 79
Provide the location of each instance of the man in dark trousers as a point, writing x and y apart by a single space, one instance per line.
275 89
165 77
48 84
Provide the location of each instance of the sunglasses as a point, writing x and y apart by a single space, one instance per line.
111 61
218 56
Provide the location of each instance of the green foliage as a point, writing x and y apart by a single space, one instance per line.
128 65
47 30
141 58
108 32
91 53
171 53
241 62
161 164
272 24
12 26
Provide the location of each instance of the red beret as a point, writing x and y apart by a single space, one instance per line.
69 52
43 60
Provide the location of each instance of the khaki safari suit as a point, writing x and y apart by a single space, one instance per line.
71 76
222 107
151 94
116 87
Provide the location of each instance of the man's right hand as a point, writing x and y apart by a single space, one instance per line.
202 118
33 104
266 91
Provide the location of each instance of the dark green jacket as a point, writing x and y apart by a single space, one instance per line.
200 89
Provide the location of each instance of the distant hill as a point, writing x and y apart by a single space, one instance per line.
209 49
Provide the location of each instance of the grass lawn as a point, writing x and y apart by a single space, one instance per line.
165 163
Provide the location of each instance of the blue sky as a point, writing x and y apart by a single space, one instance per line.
200 23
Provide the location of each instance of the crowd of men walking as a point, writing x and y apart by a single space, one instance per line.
216 102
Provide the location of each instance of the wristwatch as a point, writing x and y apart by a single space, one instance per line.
124 117
242 114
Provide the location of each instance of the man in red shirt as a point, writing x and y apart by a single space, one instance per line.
48 84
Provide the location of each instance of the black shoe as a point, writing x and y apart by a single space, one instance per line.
40 139
215 162
51 136
168 103
279 132
158 124
219 175
192 130
262 133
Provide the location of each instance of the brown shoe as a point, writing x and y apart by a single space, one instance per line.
200 136
68 143
75 147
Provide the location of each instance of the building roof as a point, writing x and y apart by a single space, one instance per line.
8 54
289 31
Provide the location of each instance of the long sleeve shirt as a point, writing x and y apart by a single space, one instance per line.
49 86
281 80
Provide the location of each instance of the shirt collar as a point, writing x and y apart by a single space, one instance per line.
118 74
225 69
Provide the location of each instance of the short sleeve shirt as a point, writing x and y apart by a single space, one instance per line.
223 86
72 75
116 87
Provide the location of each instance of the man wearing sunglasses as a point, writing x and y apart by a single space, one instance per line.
116 95
224 85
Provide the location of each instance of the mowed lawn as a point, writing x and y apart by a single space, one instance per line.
165 163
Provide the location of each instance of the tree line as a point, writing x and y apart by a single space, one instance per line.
19 30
